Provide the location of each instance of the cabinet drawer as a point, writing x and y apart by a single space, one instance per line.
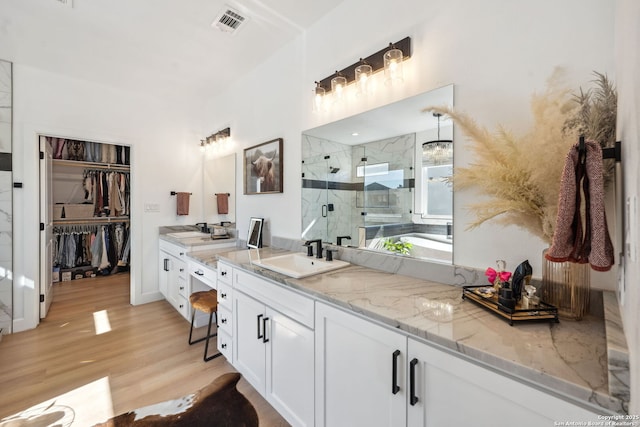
225 293
225 345
175 250
181 266
225 273
289 303
183 289
182 305
206 275
225 321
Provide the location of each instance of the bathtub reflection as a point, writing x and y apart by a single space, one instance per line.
434 247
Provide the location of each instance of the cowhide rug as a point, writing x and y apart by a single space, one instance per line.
219 404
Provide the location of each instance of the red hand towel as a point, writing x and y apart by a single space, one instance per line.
182 203
223 203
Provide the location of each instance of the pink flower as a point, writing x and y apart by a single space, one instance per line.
504 276
491 275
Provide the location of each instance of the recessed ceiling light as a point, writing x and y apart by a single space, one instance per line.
355 134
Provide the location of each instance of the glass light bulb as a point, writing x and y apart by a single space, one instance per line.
363 72
318 99
338 84
393 66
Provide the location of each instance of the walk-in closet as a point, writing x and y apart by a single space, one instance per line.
85 202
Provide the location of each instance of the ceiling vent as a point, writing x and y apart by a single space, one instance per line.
68 3
229 21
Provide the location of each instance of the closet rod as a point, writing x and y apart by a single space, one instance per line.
90 165
228 194
97 221
173 193
107 169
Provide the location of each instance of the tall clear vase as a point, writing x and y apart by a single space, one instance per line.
566 285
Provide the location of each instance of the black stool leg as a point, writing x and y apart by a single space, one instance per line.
193 315
206 346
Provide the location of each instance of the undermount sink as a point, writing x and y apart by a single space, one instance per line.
188 235
298 265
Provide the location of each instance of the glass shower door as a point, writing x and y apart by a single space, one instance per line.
315 204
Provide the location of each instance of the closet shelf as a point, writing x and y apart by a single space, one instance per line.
92 165
94 220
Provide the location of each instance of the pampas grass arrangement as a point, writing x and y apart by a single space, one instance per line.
520 174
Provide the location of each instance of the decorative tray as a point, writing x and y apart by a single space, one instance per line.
543 312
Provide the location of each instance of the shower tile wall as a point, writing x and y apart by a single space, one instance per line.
399 153
6 211
333 181
332 177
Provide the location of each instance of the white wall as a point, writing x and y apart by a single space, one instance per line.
627 65
164 157
486 49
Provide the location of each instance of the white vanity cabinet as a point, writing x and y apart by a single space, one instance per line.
274 345
443 383
356 383
225 310
173 276
370 375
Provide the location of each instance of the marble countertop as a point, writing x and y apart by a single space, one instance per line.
191 243
569 357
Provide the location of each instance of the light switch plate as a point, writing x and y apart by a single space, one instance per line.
151 207
631 232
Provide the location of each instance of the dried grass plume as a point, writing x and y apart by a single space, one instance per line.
519 173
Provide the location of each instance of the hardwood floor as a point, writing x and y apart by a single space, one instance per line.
145 354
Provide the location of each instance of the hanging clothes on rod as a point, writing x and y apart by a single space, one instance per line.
103 247
108 191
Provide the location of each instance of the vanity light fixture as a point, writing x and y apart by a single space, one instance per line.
338 84
318 98
439 151
220 137
390 59
393 66
363 74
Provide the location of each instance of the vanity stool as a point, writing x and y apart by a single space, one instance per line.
207 302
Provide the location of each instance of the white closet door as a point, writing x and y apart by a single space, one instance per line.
46 235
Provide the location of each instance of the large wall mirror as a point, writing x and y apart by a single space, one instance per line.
380 180
219 176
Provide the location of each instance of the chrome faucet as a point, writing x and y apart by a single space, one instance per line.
318 243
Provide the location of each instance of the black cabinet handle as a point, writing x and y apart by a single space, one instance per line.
181 253
223 320
182 288
223 296
413 399
395 388
166 264
223 345
199 273
181 270
259 334
264 330
223 273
